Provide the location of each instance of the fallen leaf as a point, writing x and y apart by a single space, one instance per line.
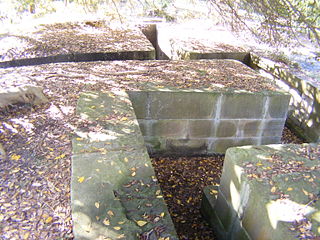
110 213
106 222
80 179
289 189
162 214
48 220
117 228
273 189
305 192
97 204
15 157
126 159
60 157
141 223
213 192
26 235
15 170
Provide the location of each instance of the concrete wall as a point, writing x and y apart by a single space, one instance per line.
191 122
304 110
249 202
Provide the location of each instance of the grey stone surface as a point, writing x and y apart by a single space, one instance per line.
242 106
200 128
278 106
139 101
273 128
303 116
187 146
23 94
226 128
226 226
266 190
250 128
112 174
182 105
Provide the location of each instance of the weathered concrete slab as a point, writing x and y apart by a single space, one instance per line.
139 75
178 42
114 191
73 42
304 112
266 192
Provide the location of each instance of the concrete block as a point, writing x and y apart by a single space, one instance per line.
250 128
246 106
226 128
182 105
220 145
170 128
200 128
273 128
186 146
254 190
139 102
155 144
209 198
270 140
278 105
225 212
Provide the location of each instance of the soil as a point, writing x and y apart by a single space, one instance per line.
35 176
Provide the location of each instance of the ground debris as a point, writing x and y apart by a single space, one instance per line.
182 180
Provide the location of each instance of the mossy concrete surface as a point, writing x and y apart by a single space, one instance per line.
266 192
114 191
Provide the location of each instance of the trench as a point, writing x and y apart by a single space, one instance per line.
185 169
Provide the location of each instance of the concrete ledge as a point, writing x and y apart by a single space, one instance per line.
114 191
266 192
81 57
74 42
